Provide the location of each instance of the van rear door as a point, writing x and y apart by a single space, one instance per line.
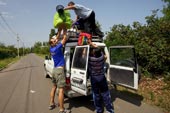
123 66
79 70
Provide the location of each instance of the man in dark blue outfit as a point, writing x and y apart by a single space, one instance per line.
99 82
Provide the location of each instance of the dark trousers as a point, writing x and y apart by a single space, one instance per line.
91 21
88 24
101 93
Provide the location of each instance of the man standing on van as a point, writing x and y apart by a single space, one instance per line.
98 81
85 16
58 76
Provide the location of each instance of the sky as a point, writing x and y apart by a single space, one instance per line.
32 20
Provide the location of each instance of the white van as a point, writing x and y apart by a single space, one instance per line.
121 67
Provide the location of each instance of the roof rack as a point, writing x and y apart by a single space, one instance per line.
75 39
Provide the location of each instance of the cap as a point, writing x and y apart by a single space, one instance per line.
59 8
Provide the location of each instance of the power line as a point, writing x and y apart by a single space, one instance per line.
3 26
12 31
8 32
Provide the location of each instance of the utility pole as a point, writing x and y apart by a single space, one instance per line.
18 44
23 48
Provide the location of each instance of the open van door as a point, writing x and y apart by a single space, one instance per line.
79 69
123 66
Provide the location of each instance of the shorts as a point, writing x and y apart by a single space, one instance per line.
58 77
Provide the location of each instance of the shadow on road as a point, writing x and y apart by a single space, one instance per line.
127 96
85 101
4 71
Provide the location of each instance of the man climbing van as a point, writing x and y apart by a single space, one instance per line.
87 16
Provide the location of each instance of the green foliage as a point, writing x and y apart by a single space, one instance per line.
166 10
7 51
120 35
41 48
151 42
11 51
6 61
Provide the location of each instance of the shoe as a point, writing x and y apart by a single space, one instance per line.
51 107
65 111
100 34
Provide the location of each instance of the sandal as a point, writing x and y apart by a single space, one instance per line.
51 107
65 111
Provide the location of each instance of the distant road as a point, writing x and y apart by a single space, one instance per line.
24 89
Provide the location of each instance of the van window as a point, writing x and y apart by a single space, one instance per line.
80 58
71 55
122 57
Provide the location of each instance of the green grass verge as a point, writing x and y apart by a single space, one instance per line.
4 63
42 55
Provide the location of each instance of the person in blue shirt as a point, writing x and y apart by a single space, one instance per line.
58 77
86 16
98 81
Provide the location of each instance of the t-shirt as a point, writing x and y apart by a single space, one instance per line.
57 55
82 11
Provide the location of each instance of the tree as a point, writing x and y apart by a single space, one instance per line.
7 51
166 10
40 49
151 41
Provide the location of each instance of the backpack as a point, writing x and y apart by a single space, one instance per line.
83 38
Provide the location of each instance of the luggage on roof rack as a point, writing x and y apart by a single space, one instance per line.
75 39
73 36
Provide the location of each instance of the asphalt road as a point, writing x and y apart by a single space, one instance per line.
24 89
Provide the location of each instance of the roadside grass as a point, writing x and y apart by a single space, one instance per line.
154 92
4 63
42 55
